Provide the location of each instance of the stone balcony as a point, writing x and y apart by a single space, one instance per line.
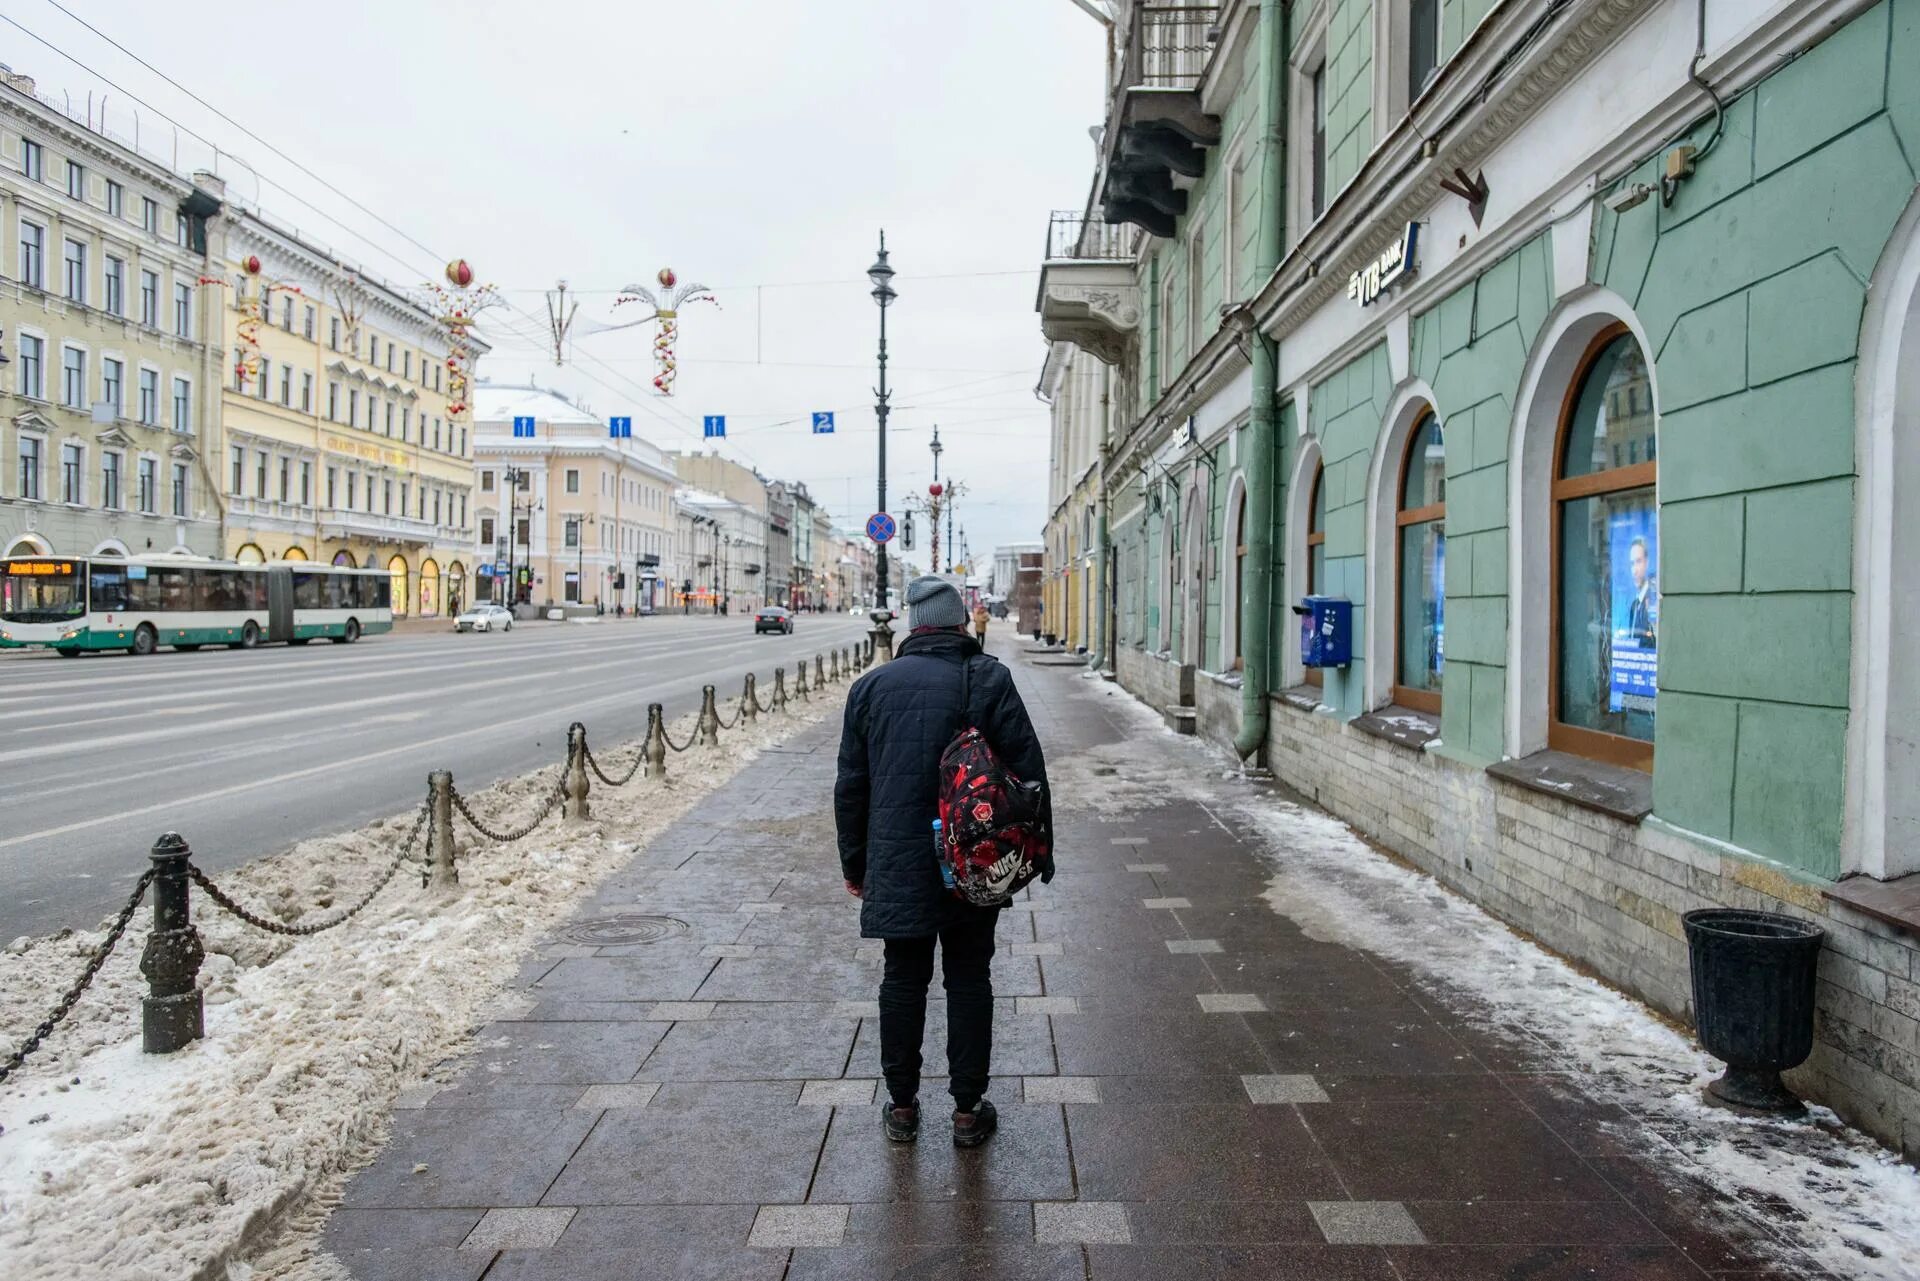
1159 131
1089 295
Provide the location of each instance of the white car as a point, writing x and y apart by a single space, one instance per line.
484 618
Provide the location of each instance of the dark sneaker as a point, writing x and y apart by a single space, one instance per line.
902 1123
971 1129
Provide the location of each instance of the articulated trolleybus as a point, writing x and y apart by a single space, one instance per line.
71 604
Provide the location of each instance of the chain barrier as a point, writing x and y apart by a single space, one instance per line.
739 710
72 997
639 759
224 900
551 804
679 747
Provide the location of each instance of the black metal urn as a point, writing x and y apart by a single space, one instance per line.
1753 994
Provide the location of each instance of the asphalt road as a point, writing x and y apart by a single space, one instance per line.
246 753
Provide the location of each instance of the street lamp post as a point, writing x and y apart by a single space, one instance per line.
883 295
512 479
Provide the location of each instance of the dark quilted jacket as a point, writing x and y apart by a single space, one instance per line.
900 717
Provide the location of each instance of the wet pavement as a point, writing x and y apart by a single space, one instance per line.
1188 1087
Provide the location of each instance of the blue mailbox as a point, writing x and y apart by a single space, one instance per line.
1326 631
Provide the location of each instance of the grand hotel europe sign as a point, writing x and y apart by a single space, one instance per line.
1395 263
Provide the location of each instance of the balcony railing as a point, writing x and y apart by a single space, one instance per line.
1170 45
1071 235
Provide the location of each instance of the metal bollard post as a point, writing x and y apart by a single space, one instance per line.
779 689
440 860
819 672
708 732
749 700
576 787
846 661
656 748
833 668
800 681
171 1014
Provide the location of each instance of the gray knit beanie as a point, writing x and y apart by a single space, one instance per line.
934 602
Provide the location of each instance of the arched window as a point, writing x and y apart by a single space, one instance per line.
1606 555
344 559
1317 548
430 589
293 553
1420 586
250 554
397 575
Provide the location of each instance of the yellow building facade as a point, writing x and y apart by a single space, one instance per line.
1074 386
339 440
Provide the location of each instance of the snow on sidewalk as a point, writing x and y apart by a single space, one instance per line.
115 1164
1840 1195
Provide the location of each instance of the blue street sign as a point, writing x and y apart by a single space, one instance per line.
714 425
880 527
823 424
500 569
523 428
620 428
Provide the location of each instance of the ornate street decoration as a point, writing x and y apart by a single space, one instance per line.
457 304
560 314
666 309
255 311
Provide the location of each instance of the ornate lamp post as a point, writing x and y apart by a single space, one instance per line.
883 295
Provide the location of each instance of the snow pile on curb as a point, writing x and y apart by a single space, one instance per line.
124 1165
1840 1196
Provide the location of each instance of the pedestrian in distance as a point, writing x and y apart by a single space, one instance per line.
980 617
899 718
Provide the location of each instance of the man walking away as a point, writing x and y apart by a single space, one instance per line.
980 617
899 718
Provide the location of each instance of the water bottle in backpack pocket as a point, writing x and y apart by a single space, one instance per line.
940 853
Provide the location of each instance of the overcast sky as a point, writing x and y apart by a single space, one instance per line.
757 146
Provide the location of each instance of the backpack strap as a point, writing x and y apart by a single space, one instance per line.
966 693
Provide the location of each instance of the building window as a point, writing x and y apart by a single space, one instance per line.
486 531
116 199
353 489
32 159
389 418
183 310
486 482
72 480
1423 45
436 433
436 507
180 236
333 486
1421 520
386 487
182 406
333 402
573 483
150 215
353 406
150 299
30 467
333 332
306 484
463 442
33 373
33 255
406 496
286 385
286 314
113 383
259 473
73 378
306 325
116 279
76 180
180 489
406 423
1318 161
149 482
406 364
150 397
74 255
265 377
286 480
373 349
1607 551
306 393
237 458
110 480
573 534
1317 548
1196 290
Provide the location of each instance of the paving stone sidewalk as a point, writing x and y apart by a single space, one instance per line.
1188 1087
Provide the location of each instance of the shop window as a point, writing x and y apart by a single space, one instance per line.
1421 519
1317 548
1606 554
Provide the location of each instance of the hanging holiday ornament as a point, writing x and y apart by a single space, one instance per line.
457 309
936 489
666 310
251 264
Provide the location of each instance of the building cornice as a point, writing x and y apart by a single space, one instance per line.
76 137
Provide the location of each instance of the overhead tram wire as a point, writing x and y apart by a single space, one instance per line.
533 337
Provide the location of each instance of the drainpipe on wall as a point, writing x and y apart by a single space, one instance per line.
1103 542
1256 585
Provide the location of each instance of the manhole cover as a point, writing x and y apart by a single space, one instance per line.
628 927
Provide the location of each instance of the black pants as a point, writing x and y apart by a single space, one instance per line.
966 955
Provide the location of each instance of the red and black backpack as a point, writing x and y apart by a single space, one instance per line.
993 830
